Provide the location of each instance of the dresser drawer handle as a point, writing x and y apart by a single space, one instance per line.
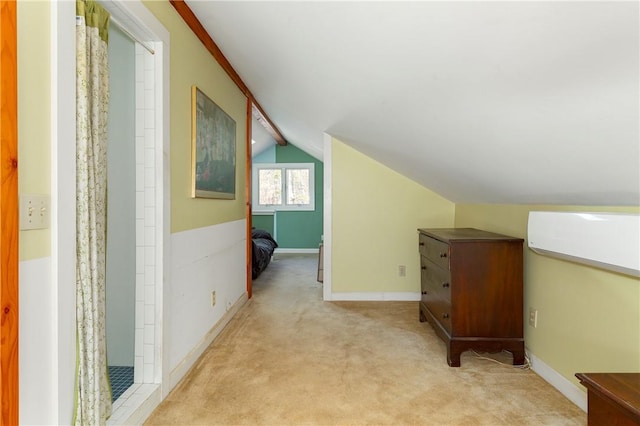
442 255
445 316
423 267
424 292
421 244
445 285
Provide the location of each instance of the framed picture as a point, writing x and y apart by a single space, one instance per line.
213 149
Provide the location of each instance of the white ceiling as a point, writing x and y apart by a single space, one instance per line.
261 139
482 102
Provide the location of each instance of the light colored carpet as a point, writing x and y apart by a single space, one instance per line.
288 358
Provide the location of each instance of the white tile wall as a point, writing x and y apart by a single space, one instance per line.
145 214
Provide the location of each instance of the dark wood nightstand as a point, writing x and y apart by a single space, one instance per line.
614 398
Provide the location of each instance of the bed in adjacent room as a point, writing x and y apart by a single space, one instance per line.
263 247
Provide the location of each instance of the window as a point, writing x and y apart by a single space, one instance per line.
283 186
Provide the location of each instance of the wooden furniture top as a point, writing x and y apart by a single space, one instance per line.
623 389
465 234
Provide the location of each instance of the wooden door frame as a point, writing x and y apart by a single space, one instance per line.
9 255
248 190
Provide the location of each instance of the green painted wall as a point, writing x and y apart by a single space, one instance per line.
588 318
301 229
191 64
297 229
263 221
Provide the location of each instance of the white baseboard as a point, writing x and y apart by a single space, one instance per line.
297 250
135 405
558 381
185 365
377 297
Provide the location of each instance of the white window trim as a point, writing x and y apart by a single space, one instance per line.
257 207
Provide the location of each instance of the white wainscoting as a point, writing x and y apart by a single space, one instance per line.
189 361
38 344
203 260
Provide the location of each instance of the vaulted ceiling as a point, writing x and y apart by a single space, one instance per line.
483 102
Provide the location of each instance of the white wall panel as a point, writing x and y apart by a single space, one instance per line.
203 260
38 370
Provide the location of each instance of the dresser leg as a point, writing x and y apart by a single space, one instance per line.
421 316
518 357
453 355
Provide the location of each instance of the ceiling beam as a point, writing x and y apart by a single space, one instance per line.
198 29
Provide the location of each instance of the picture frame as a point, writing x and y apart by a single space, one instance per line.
213 149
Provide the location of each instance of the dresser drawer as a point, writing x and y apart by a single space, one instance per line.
435 279
434 250
440 309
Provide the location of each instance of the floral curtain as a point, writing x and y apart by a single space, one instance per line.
93 392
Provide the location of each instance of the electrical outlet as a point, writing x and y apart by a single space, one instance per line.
402 270
213 298
533 317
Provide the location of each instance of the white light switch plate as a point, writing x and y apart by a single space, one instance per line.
34 211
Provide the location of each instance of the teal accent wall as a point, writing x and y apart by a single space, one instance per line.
262 221
301 229
295 229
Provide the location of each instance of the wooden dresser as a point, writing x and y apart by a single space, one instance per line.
471 284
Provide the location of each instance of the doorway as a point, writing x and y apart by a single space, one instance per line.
121 213
148 206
